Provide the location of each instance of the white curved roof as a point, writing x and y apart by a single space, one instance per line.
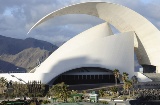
124 19
95 47
114 51
66 50
98 47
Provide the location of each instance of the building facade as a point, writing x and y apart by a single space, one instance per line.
85 55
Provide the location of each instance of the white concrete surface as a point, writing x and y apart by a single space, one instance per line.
123 19
98 47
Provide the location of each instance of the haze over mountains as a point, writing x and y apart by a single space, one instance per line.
23 55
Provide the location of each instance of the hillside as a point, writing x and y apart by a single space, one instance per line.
24 60
13 46
20 55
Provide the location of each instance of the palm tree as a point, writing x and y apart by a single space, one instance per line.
134 80
128 85
116 75
125 76
124 79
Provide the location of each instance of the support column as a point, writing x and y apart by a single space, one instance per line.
109 78
157 69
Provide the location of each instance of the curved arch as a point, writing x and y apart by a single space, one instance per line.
124 19
108 52
71 76
82 8
95 33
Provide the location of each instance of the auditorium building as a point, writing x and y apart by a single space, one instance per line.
91 56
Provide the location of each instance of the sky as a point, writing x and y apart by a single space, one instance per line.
18 16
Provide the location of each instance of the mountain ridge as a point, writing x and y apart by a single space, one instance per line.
19 55
26 59
13 46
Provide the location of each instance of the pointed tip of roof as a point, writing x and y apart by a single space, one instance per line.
108 29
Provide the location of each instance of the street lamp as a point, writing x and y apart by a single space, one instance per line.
12 75
33 87
19 79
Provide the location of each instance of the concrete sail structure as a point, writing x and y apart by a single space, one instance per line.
123 19
98 46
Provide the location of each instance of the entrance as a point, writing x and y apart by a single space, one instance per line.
86 75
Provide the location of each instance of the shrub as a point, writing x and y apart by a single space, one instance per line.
103 102
46 101
124 98
113 89
32 103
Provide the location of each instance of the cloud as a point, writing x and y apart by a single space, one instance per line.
18 16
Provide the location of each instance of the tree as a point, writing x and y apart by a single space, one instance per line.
15 89
3 85
128 85
116 75
113 89
60 91
124 79
19 89
125 76
134 80
3 81
101 92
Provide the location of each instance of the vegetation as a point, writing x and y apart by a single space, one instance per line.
3 86
103 102
125 79
60 91
3 82
116 75
46 101
17 89
113 89
134 80
127 86
101 92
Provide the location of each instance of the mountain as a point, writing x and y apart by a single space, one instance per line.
6 67
24 60
20 55
13 46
